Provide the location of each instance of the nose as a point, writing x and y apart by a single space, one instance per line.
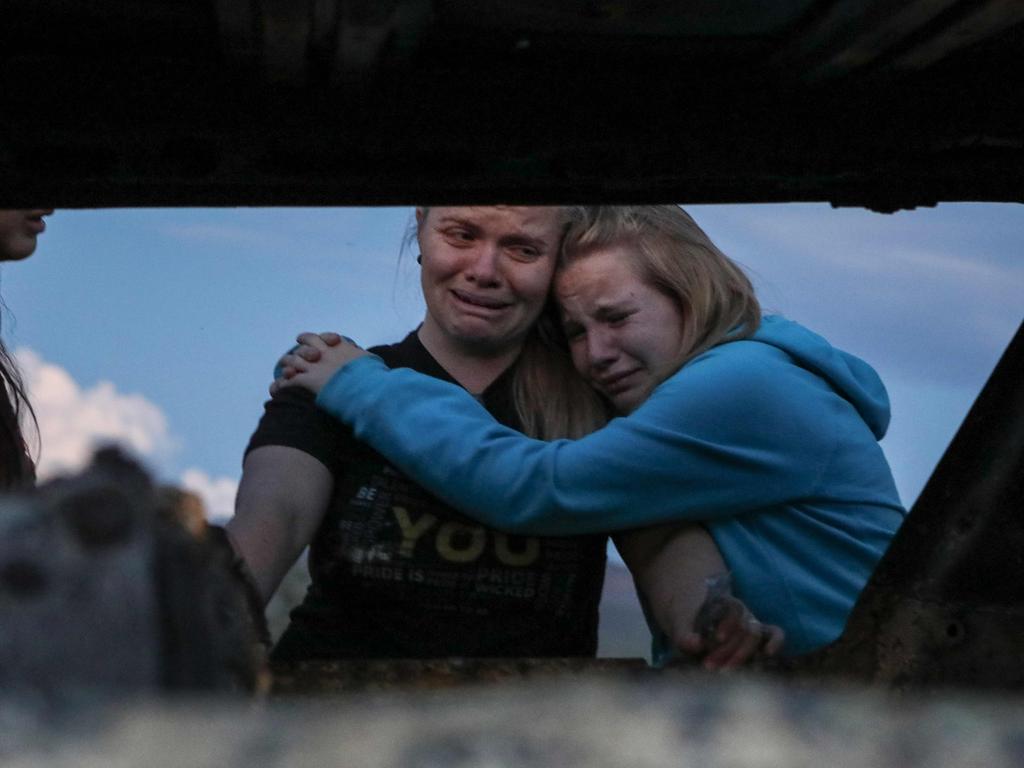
600 349
483 268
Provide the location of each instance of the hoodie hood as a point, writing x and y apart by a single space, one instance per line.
850 376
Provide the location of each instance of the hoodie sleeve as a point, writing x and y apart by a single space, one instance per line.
719 438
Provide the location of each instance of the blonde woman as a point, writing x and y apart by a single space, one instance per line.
397 572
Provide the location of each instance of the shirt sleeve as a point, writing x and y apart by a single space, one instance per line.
291 419
710 442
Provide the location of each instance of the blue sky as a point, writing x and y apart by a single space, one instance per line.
160 327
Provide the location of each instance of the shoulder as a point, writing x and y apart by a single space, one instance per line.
291 418
737 368
394 355
738 386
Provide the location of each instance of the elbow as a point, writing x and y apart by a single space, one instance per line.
505 521
538 521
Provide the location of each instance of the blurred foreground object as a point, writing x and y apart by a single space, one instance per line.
103 588
677 721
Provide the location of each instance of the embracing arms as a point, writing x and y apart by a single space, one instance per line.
670 564
710 442
673 566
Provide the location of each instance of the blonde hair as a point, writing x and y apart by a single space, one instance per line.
673 254
551 399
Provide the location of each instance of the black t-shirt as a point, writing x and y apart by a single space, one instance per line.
397 573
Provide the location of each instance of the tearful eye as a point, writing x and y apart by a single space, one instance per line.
459 236
526 254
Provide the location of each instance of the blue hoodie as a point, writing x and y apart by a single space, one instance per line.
771 442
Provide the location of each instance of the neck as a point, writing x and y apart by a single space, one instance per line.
474 367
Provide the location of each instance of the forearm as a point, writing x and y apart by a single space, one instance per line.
638 471
281 500
671 565
264 543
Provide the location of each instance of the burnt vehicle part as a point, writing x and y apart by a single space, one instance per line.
283 102
855 102
945 606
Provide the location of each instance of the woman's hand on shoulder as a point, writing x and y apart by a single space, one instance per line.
316 358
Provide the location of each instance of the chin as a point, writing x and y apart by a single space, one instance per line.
625 405
629 401
16 251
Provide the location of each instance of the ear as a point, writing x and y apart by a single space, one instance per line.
421 216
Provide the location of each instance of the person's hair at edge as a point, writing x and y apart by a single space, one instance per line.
16 468
673 254
550 399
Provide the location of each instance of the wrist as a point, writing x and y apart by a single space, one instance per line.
337 390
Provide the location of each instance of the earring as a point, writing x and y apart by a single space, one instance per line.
419 258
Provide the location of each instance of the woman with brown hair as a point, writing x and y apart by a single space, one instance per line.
19 230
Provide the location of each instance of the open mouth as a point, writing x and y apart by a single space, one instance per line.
617 383
482 302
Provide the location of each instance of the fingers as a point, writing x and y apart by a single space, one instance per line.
309 354
291 376
690 643
296 362
737 650
313 360
296 356
308 350
332 339
739 637
774 639
312 340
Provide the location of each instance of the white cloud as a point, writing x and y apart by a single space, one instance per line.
74 420
217 493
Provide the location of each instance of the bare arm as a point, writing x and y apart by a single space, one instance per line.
281 500
671 565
